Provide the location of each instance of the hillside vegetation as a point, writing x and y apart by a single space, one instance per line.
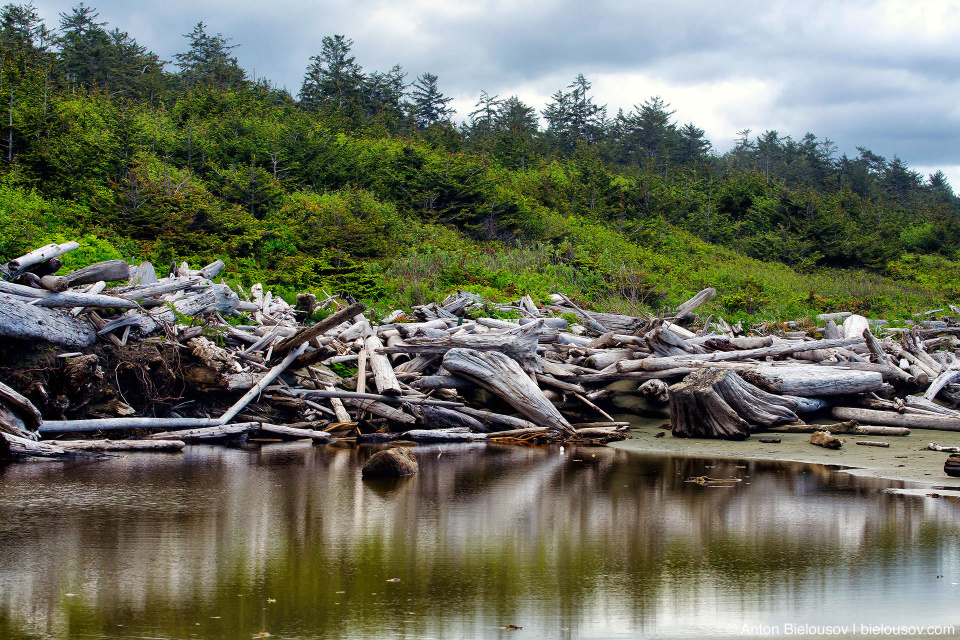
362 184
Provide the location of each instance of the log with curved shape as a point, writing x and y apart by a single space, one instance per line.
503 377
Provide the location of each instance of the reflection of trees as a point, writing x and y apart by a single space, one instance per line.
481 534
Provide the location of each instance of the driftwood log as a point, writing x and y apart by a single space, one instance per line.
893 419
717 403
503 377
109 270
812 381
27 322
41 255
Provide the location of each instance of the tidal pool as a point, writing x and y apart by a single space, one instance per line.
571 542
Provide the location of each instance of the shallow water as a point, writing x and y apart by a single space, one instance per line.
566 543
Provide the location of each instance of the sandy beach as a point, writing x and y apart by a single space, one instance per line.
907 459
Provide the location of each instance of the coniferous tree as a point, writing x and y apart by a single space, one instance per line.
84 48
429 104
333 77
383 92
208 60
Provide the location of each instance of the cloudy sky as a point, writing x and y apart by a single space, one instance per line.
884 75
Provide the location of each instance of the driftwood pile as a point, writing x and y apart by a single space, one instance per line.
449 372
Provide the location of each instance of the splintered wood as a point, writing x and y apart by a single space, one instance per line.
325 369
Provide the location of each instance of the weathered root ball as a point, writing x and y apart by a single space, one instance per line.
391 463
952 466
717 403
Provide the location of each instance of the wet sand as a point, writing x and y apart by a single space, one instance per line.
907 459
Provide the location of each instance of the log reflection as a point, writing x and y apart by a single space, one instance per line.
584 542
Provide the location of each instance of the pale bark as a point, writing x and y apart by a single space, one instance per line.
41 255
503 377
28 322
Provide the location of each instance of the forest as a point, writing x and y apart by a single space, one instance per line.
365 184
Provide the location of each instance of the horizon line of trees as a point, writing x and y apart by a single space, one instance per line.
89 115
83 54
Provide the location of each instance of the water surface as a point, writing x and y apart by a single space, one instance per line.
566 543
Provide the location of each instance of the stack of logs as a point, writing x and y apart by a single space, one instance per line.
432 374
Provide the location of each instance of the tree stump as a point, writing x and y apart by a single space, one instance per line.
717 403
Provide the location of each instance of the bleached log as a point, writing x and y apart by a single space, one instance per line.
813 381
443 435
894 419
717 403
294 432
520 346
609 357
41 255
441 418
560 384
108 271
70 299
854 326
316 330
15 445
777 350
588 318
945 378
113 424
695 302
497 421
212 270
441 382
27 322
502 376
159 288
258 388
166 444
215 432
383 375
143 274
832 331
380 409
655 389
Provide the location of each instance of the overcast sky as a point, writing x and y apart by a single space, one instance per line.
885 75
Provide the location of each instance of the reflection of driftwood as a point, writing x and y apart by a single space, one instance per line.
717 403
503 377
